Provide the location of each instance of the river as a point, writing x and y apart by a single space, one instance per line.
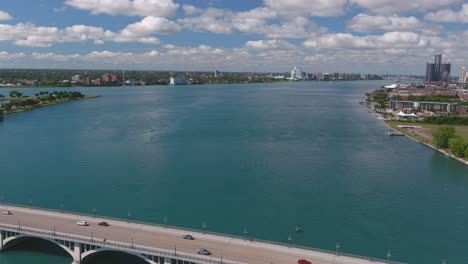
259 156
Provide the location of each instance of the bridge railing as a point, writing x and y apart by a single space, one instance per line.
114 245
370 259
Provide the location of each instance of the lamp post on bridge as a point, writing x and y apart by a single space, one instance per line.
54 230
337 248
204 228
221 260
175 250
388 256
289 240
131 241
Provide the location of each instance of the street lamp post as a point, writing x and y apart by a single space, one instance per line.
54 230
388 256
132 241
92 236
289 240
175 250
19 225
337 248
204 228
245 233
165 222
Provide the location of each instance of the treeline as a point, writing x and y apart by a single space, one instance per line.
40 98
433 98
445 137
446 120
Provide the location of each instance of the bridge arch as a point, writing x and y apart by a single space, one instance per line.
18 238
100 250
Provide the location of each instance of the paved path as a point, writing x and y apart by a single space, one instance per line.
233 249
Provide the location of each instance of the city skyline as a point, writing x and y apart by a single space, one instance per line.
265 36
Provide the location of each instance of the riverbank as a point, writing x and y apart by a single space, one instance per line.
45 104
423 140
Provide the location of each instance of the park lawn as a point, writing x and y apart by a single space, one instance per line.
460 130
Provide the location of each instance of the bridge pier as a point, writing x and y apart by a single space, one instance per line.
1 240
76 253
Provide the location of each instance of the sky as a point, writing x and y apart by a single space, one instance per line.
351 36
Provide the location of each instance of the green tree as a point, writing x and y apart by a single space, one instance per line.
466 151
442 135
15 94
1 114
457 146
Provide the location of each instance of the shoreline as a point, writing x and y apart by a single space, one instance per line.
49 104
465 162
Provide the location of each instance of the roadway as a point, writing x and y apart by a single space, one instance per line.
234 249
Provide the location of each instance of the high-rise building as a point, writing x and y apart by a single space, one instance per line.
463 75
438 71
296 73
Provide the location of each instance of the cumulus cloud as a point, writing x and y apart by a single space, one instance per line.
159 8
448 15
320 8
271 44
261 21
371 23
34 36
389 7
6 55
5 16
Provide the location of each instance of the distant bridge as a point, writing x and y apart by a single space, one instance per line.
150 242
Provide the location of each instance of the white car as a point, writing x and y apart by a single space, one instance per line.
7 212
82 223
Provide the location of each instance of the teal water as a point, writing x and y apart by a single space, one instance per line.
263 156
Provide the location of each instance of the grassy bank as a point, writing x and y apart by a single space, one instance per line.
424 134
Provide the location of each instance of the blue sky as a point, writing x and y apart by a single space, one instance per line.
372 36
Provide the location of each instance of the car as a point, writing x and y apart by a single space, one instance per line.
189 237
82 223
203 251
103 224
7 212
303 261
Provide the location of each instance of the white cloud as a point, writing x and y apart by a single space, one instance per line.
390 7
320 8
5 16
371 23
34 36
191 10
159 8
6 55
150 25
212 20
448 15
271 44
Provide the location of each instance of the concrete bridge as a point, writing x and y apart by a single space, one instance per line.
152 243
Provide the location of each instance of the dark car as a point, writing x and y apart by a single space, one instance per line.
103 224
189 237
203 251
303 261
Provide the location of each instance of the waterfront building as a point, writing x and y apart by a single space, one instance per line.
423 106
463 75
438 71
296 74
177 81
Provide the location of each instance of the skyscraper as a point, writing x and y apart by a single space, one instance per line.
438 71
463 75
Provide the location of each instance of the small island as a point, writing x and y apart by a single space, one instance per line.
16 102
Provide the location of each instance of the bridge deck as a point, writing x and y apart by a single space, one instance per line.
234 249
